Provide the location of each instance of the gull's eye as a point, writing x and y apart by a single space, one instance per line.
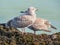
33 9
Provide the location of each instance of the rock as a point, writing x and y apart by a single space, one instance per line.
12 36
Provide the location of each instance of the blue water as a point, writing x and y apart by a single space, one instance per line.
47 9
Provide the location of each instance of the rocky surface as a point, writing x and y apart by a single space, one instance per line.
12 36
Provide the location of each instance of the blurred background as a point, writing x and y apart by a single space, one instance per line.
47 9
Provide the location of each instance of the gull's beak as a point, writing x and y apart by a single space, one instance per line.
21 11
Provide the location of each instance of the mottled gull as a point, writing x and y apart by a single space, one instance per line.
41 25
25 20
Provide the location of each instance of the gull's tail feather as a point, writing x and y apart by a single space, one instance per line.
53 27
46 30
3 24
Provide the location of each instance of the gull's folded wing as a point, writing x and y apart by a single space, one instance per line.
53 27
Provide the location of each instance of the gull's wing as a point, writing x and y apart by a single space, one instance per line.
53 26
38 29
23 21
47 23
38 24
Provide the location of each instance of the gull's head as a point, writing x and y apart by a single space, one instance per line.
32 9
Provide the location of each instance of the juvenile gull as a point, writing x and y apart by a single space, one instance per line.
24 20
41 25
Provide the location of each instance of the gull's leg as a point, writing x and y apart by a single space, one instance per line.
34 33
34 37
23 30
